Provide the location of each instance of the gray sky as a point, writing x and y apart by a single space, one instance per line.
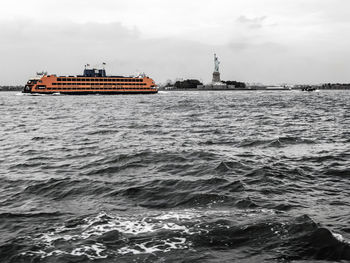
268 41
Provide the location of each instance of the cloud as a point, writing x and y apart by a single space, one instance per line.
254 22
169 39
63 49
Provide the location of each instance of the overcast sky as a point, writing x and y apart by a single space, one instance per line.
267 41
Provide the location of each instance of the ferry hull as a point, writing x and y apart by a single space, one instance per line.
96 92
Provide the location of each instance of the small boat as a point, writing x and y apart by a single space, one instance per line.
308 88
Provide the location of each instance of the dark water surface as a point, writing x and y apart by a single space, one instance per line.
175 177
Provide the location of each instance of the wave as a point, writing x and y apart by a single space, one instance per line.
30 215
276 142
178 232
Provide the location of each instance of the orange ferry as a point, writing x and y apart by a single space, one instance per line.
93 81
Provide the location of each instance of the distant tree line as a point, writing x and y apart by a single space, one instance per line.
237 84
187 84
335 86
193 83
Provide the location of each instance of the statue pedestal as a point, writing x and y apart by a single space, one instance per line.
216 76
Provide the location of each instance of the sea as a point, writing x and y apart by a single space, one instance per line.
178 176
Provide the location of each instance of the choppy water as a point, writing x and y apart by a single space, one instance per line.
175 177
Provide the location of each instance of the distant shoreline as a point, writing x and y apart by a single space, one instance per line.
247 89
11 88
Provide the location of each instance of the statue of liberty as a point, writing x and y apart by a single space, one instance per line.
216 63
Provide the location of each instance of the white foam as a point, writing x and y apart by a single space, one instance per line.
103 223
183 215
131 226
92 251
340 238
163 246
